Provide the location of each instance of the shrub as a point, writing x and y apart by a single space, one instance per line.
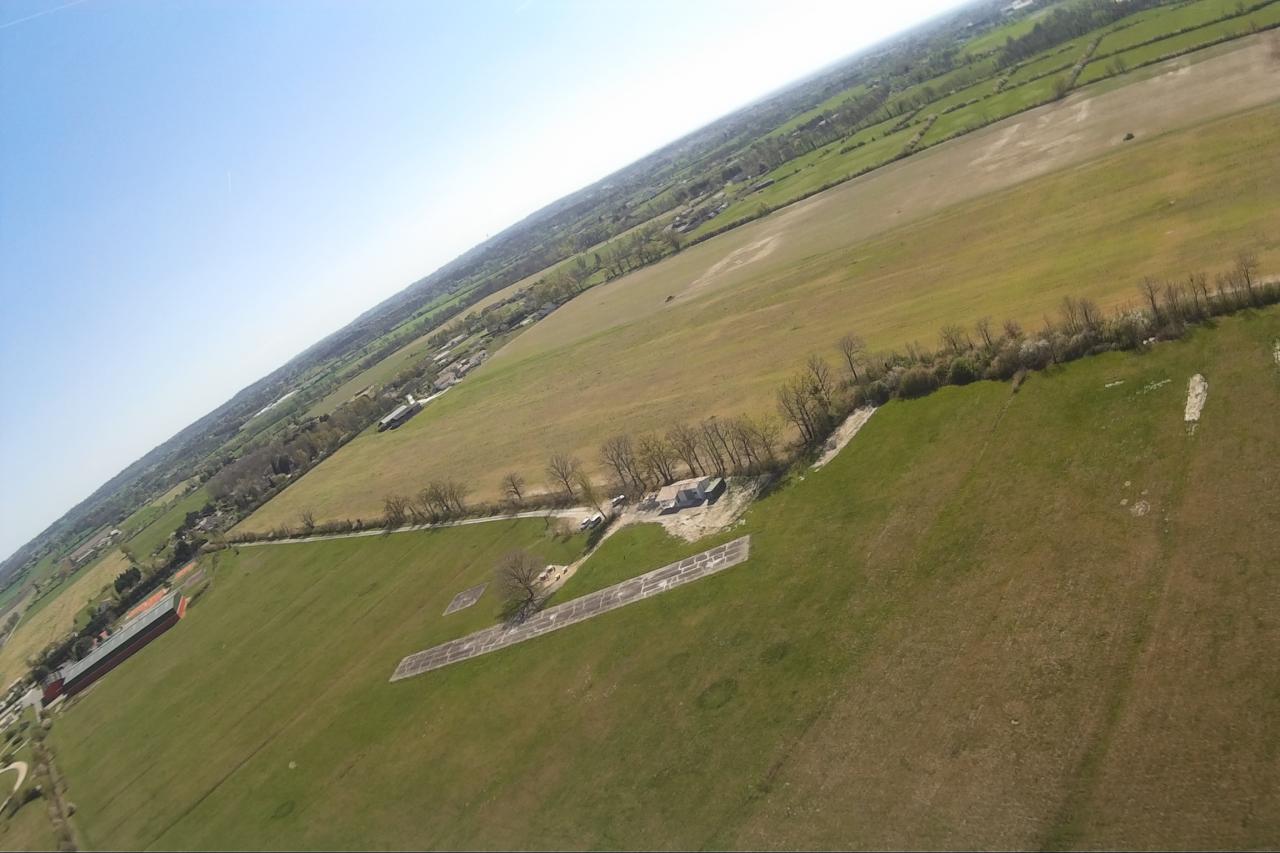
875 393
962 372
916 382
1006 362
1035 354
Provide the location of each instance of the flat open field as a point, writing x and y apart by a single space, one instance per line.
1042 619
54 619
1002 222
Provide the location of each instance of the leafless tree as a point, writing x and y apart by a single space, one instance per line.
795 406
588 491
684 441
821 387
955 338
1070 315
1090 315
712 447
619 454
1198 283
517 580
983 327
308 519
852 348
1173 301
657 458
1246 271
1150 290
513 487
1012 330
563 470
395 510
454 495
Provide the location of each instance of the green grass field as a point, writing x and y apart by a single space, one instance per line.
958 633
1266 16
157 533
1010 101
630 551
1165 20
752 304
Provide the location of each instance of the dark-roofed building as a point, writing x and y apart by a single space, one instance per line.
121 645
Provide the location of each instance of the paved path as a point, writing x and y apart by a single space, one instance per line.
575 513
21 768
580 609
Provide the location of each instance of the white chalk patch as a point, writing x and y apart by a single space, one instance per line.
1124 502
1114 383
1152 386
1275 353
1197 393
843 435
1140 509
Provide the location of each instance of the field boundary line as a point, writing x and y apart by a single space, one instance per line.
573 512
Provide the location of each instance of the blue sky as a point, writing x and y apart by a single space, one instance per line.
192 192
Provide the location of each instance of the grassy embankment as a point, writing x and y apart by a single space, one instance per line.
1031 620
752 304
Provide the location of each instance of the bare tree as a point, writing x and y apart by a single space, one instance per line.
1150 290
955 338
563 470
1246 271
1199 285
1173 301
852 348
395 510
308 519
1070 315
619 454
513 487
1090 315
983 327
712 449
821 386
657 457
454 495
684 440
517 580
1012 330
793 405
588 491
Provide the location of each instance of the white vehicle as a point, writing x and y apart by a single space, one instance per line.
618 500
588 523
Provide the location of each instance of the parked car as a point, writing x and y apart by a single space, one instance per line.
588 523
618 500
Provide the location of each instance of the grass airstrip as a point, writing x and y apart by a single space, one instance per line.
977 233
1032 619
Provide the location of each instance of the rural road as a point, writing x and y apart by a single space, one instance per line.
575 513
21 767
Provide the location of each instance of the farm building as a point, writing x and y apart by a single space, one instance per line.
99 540
400 414
687 493
121 645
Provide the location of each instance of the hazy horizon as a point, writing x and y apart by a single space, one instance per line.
195 194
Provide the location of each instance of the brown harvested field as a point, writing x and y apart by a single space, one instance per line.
1004 222
54 620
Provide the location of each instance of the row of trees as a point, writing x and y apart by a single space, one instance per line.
247 481
815 399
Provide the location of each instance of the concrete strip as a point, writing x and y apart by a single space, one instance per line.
579 609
